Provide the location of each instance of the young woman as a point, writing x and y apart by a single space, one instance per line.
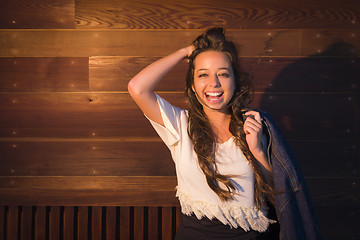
221 155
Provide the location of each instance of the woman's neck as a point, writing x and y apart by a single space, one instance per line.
220 123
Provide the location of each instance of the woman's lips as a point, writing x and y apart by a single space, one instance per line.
214 96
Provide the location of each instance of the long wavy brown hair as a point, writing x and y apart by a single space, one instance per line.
200 130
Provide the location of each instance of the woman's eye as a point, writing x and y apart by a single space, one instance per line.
202 75
224 75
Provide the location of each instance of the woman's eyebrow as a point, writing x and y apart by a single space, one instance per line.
204 69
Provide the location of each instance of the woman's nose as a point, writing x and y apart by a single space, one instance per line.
214 81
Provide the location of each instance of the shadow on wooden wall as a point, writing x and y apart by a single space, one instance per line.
78 160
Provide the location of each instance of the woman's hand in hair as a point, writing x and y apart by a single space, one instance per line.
254 130
190 50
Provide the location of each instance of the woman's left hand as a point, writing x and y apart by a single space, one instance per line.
253 130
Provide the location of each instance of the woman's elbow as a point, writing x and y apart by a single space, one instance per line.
132 88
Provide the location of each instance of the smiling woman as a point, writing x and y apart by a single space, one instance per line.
223 162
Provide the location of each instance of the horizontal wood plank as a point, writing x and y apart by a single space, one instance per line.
86 159
37 14
85 191
328 159
85 43
330 42
271 74
229 14
44 74
141 191
113 73
109 115
336 192
117 158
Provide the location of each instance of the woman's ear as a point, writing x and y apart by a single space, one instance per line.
192 88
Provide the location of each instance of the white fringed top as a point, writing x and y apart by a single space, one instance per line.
194 194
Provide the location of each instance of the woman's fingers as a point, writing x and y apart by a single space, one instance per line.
252 122
254 115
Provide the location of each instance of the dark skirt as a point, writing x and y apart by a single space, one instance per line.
192 228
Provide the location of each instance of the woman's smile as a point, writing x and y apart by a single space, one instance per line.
215 96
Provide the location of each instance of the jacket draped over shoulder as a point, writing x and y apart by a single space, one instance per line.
294 207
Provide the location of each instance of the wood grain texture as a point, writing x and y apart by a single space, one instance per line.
124 222
270 74
86 159
40 222
68 222
70 158
54 223
85 43
141 191
329 42
230 14
88 191
153 216
111 223
44 14
96 223
346 216
113 73
26 223
166 223
44 74
83 223
12 223
138 223
113 115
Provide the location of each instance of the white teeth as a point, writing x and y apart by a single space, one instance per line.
214 94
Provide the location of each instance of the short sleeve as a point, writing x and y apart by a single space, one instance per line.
171 118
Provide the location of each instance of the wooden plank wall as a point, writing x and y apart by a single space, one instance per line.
77 154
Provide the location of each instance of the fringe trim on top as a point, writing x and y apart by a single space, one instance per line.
234 216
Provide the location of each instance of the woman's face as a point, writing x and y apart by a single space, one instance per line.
213 80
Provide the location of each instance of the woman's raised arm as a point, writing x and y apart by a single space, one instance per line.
141 87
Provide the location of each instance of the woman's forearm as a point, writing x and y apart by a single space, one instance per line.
147 79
